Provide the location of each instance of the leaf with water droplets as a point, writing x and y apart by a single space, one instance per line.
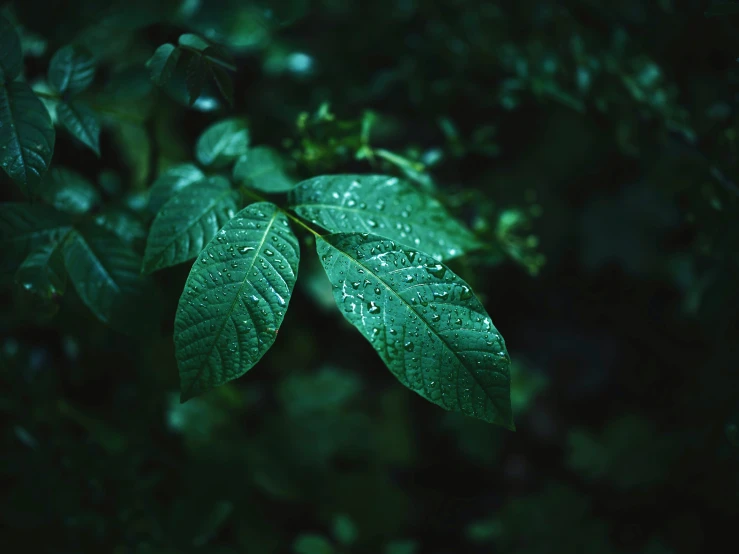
106 274
235 298
261 169
187 222
383 206
170 182
81 122
222 143
26 135
71 70
431 331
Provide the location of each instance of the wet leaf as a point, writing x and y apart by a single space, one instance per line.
68 191
384 206
43 272
26 135
235 298
172 181
423 321
187 222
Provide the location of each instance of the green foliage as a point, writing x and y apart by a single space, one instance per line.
71 71
26 135
81 122
384 206
414 309
222 143
262 169
11 55
235 298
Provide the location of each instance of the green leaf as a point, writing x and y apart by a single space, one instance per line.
71 70
106 274
82 122
11 54
187 222
162 64
43 272
193 41
424 321
385 206
68 191
235 298
262 169
25 228
224 83
222 143
197 73
312 544
26 135
172 181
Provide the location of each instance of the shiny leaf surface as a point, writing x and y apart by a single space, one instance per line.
262 169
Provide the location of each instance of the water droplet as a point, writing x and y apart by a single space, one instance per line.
269 252
466 293
372 223
411 255
373 308
437 270
458 321
393 332
435 318
245 249
355 285
409 346
378 291
409 278
441 295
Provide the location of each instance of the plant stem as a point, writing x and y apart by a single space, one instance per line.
260 198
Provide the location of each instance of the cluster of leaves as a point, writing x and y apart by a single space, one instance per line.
383 255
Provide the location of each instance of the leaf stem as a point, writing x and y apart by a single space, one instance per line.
260 198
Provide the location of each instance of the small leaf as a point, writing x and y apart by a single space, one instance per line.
423 321
162 64
26 135
43 272
222 142
68 191
385 206
193 41
187 222
106 274
25 228
197 73
11 54
82 122
235 298
312 544
71 70
262 169
224 83
172 181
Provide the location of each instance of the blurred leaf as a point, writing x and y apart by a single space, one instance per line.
262 169
187 222
432 314
312 544
26 135
43 272
197 73
28 227
105 272
68 191
408 546
193 41
224 83
11 54
249 268
162 64
170 182
81 122
222 143
71 71
329 389
384 206
344 530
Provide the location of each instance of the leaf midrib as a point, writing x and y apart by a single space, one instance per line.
228 313
14 132
410 307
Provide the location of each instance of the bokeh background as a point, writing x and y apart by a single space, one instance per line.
592 144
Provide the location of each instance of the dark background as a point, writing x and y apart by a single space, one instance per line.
606 130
